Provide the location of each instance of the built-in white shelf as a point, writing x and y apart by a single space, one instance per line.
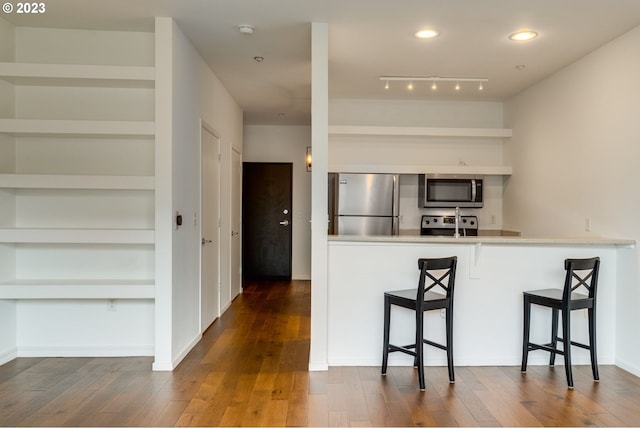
78 75
422 169
77 236
414 131
98 182
77 289
77 127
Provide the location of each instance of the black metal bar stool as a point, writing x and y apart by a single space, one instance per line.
433 272
579 273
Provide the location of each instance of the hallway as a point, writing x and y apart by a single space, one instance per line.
250 369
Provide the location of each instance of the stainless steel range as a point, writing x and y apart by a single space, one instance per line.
445 225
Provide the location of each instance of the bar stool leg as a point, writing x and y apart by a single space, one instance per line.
420 348
385 339
566 342
525 333
449 327
554 335
592 343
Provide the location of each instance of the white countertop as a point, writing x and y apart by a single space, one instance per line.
514 240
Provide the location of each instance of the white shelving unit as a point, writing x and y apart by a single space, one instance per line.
77 75
43 127
55 181
77 289
74 146
76 236
422 169
413 131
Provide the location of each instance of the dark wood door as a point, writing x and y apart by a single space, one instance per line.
266 220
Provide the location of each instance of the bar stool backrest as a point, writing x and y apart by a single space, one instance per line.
581 273
436 272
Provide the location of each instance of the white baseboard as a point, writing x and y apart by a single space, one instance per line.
8 355
162 367
224 308
85 351
318 367
634 369
405 361
159 366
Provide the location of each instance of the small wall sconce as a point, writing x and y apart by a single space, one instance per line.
307 159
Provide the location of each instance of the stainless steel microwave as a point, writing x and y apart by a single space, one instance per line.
449 191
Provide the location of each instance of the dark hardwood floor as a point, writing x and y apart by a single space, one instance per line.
250 369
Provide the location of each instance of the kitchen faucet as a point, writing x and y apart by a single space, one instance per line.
456 234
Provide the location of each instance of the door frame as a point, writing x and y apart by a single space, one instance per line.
205 127
236 223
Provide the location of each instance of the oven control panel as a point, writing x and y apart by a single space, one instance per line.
445 225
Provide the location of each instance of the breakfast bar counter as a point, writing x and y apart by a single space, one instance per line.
492 273
487 239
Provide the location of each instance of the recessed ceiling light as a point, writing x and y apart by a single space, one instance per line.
426 34
246 28
258 58
521 67
523 36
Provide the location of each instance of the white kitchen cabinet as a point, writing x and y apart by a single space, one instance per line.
77 179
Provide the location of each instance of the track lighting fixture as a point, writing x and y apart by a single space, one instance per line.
434 81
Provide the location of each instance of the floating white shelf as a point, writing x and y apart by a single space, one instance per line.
77 236
98 182
78 75
77 127
77 289
412 131
423 169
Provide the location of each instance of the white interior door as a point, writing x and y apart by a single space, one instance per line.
210 229
236 221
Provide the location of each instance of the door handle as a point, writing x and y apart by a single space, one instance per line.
206 241
285 222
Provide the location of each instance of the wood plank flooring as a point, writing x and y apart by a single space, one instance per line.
250 369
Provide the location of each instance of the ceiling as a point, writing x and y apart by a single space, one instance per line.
367 39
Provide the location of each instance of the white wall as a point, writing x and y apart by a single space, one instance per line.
574 154
446 114
195 95
415 151
288 144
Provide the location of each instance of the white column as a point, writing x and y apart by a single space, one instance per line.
163 197
319 216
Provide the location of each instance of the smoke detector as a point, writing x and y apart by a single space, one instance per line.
246 29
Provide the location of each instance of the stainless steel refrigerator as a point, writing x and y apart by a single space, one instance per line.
363 204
